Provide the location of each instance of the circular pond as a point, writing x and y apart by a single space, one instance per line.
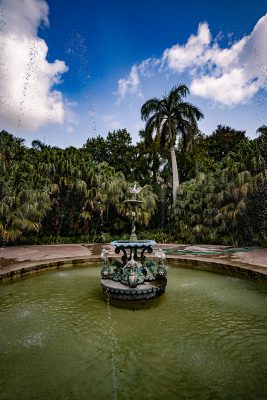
206 338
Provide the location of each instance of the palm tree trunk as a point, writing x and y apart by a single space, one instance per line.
175 176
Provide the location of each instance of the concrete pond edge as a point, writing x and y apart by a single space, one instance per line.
252 272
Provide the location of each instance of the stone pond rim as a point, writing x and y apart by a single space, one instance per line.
21 261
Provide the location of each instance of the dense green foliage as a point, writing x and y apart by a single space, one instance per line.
227 204
62 193
51 195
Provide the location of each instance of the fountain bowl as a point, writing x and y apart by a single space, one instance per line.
130 244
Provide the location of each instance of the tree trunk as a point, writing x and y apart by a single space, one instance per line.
175 176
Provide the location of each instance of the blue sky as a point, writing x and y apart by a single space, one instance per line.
73 70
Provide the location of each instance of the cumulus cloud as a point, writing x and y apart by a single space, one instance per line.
230 88
132 84
227 76
191 54
28 99
129 85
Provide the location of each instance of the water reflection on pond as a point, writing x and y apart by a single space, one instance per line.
206 338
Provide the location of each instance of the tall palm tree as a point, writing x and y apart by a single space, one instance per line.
167 118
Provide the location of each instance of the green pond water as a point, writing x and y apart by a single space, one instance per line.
206 338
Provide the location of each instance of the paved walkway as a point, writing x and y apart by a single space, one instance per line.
20 259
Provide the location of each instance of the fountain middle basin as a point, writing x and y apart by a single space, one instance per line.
204 339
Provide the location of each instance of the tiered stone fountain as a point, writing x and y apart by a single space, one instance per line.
133 277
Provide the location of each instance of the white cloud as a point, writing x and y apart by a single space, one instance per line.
229 89
227 76
130 85
233 75
24 16
239 70
148 67
191 54
28 99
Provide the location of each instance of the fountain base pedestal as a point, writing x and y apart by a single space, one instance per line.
144 291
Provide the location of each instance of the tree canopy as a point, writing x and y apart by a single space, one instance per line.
53 195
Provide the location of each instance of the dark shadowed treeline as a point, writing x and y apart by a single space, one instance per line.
47 193
52 195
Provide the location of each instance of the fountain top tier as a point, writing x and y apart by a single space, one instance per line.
134 202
